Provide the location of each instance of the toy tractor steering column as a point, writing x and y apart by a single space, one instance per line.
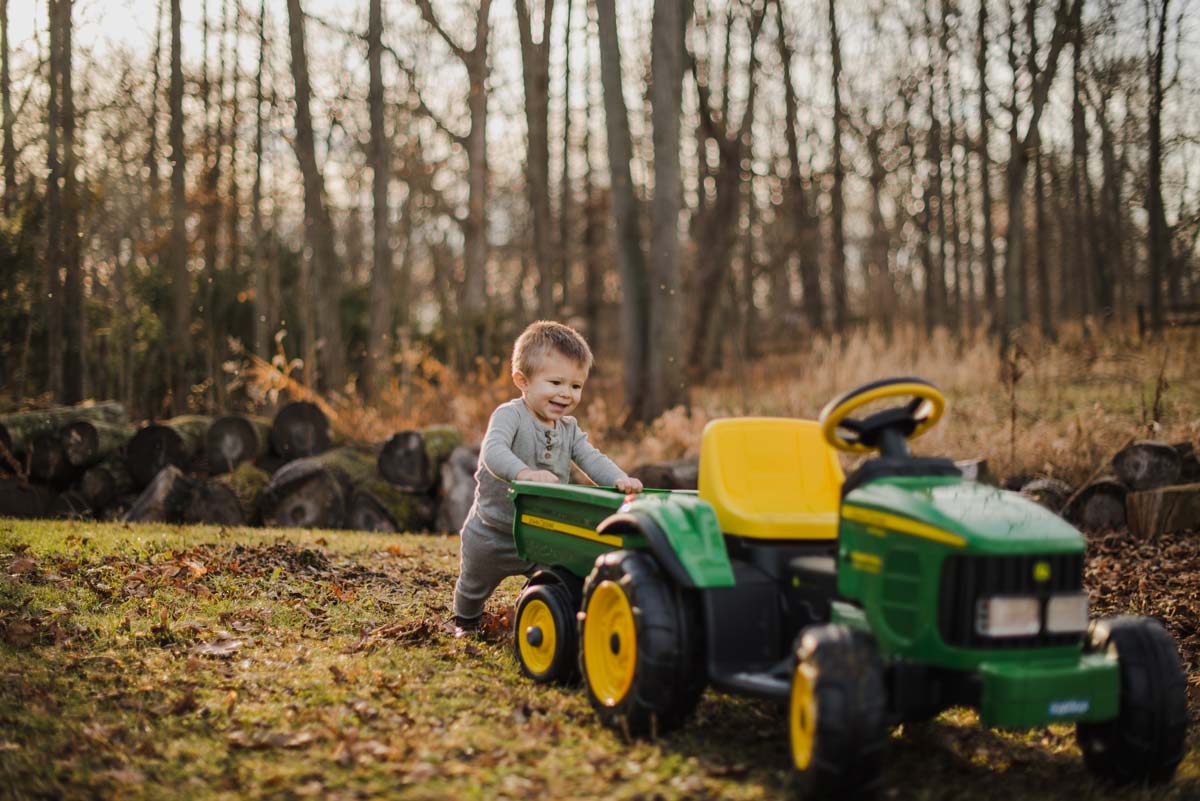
889 430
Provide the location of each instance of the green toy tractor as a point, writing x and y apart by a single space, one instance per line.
861 601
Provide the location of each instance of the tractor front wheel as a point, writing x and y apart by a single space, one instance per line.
641 657
544 634
1146 741
836 722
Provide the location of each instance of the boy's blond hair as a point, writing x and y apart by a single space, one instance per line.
546 336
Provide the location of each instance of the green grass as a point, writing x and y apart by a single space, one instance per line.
205 663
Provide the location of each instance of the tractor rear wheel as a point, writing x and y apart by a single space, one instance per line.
641 656
1146 741
544 639
836 721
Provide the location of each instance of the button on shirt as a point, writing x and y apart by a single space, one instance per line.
516 440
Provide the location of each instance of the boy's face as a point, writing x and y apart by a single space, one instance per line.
553 388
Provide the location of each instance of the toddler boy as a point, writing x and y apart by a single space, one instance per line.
530 438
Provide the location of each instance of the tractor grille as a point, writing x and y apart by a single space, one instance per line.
968 578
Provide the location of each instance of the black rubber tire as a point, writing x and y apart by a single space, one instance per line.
564 664
848 727
1147 739
669 674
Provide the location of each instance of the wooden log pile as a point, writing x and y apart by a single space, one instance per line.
91 462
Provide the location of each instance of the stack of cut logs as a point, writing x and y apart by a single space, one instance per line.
90 462
1151 487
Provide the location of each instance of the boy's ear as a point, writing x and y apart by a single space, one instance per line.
520 380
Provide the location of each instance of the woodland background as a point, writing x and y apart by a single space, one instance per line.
207 201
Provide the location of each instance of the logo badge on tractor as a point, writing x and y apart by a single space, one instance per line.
1041 571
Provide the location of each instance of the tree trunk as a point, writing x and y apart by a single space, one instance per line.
1100 506
314 491
55 250
9 148
1077 264
806 240
457 493
1022 147
154 182
1148 464
564 185
1159 245
326 270
1042 247
535 73
379 506
101 484
379 327
985 174
1164 511
664 386
412 460
265 318
231 499
164 498
86 442
593 224
626 213
20 499
721 223
177 254
173 442
837 199
18 430
235 439
300 429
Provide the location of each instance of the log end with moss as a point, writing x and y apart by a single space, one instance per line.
379 506
234 439
300 429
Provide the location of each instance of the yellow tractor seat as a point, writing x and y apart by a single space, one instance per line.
771 478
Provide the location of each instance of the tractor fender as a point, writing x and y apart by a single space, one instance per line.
635 523
560 576
684 536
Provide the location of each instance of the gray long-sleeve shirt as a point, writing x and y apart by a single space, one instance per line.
516 440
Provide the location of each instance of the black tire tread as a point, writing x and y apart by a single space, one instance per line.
669 677
1148 738
565 668
852 735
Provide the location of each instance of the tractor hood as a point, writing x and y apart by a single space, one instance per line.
978 517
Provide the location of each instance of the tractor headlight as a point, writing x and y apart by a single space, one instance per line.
1067 613
1007 616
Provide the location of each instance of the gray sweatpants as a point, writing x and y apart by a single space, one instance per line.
487 556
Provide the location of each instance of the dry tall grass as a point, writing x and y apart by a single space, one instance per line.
1075 401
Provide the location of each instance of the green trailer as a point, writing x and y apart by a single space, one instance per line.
859 602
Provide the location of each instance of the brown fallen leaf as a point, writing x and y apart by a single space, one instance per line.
218 648
22 564
241 738
19 635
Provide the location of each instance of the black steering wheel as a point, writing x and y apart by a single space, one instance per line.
889 430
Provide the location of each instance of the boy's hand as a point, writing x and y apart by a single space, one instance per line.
544 476
628 484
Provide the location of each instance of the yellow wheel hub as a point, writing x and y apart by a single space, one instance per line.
536 636
802 718
609 643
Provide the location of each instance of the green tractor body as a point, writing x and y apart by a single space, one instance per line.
958 594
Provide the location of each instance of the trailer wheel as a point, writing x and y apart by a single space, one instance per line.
836 712
544 640
1146 741
641 655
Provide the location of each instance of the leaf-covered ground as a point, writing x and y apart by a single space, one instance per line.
156 662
